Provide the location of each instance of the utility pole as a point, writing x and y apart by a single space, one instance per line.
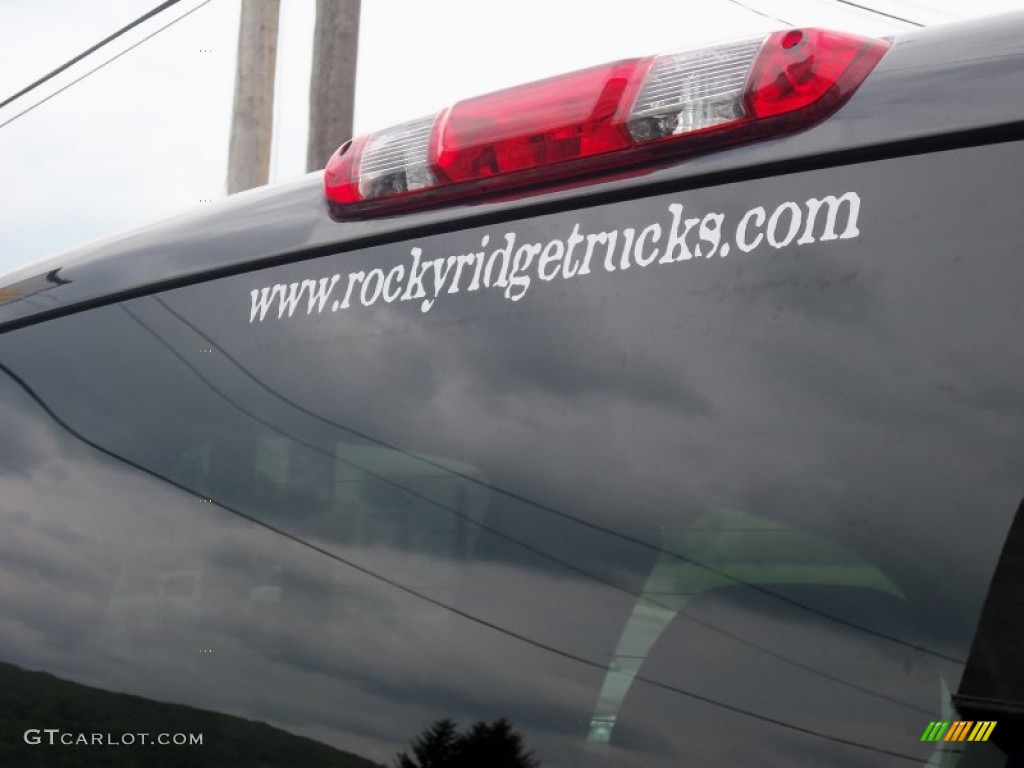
333 82
252 121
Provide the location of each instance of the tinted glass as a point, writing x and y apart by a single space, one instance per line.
738 508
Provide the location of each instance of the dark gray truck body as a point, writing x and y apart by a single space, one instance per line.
738 492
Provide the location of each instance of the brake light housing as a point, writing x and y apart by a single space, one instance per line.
611 118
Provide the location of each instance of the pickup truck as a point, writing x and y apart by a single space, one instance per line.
666 413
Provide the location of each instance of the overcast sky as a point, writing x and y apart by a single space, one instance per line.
147 136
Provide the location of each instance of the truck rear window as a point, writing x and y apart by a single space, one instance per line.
714 477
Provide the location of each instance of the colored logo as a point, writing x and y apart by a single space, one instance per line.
959 730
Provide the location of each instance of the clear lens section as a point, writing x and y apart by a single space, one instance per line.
693 90
396 160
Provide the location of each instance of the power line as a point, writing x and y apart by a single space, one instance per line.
852 4
762 14
880 13
150 14
98 67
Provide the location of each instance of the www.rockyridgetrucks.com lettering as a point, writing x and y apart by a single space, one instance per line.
504 265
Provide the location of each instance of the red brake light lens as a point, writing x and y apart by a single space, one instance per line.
800 67
530 126
611 117
341 176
